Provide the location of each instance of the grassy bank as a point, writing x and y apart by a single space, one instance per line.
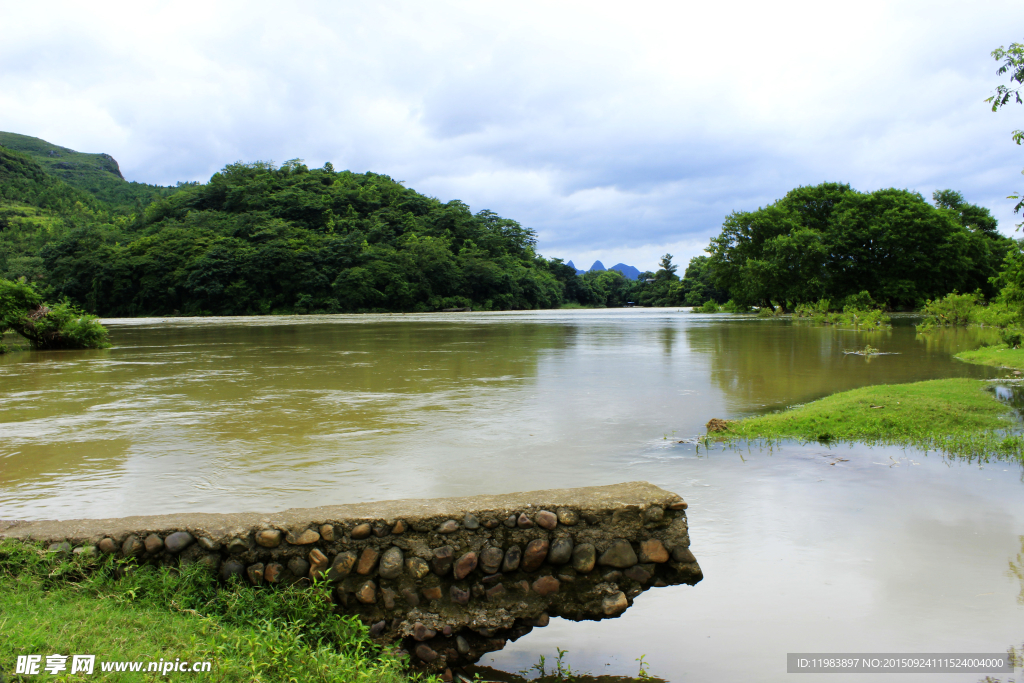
83 605
997 356
957 416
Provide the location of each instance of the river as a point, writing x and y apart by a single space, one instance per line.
804 548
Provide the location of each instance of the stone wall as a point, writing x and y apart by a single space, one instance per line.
451 578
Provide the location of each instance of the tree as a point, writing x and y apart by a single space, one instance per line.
1013 63
830 241
61 326
667 270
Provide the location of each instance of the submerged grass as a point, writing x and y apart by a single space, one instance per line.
957 416
84 605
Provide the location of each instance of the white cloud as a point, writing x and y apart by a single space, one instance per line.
618 131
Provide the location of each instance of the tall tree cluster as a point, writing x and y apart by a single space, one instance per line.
830 241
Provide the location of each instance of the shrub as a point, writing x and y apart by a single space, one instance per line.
731 306
61 326
710 306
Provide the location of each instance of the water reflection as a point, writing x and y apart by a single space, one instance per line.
769 364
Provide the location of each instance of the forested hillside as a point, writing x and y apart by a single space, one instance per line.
97 174
260 239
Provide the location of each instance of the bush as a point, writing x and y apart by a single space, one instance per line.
710 306
61 326
1012 336
963 310
731 306
861 301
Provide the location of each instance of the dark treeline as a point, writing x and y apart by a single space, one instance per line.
262 239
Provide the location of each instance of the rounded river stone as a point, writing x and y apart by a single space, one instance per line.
546 519
490 560
546 585
367 561
614 604
470 521
442 560
231 568
465 565
268 538
178 541
567 517
367 593
424 652
391 563
535 554
132 546
584 556
619 555
153 543
653 550
342 565
561 550
362 531
512 558
298 566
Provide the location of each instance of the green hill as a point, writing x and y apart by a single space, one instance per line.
97 174
263 239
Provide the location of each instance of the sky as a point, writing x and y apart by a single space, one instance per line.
618 131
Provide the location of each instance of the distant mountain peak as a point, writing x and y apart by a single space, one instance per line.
629 272
598 266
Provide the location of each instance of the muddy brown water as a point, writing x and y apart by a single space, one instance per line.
804 548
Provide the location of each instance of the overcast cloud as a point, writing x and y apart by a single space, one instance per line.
618 131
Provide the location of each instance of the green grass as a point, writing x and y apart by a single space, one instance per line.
998 356
956 416
82 605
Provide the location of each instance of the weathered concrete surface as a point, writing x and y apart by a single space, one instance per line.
451 578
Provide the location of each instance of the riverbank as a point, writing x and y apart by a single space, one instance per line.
961 417
121 613
996 356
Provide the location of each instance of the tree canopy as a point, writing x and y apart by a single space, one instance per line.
830 241
1012 59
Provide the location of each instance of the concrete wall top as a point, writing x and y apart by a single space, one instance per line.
219 527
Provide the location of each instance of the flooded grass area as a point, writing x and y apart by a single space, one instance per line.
959 416
805 546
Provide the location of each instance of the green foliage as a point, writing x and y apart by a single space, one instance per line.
710 306
1012 59
262 635
832 242
731 306
61 326
259 239
858 311
1012 336
698 284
